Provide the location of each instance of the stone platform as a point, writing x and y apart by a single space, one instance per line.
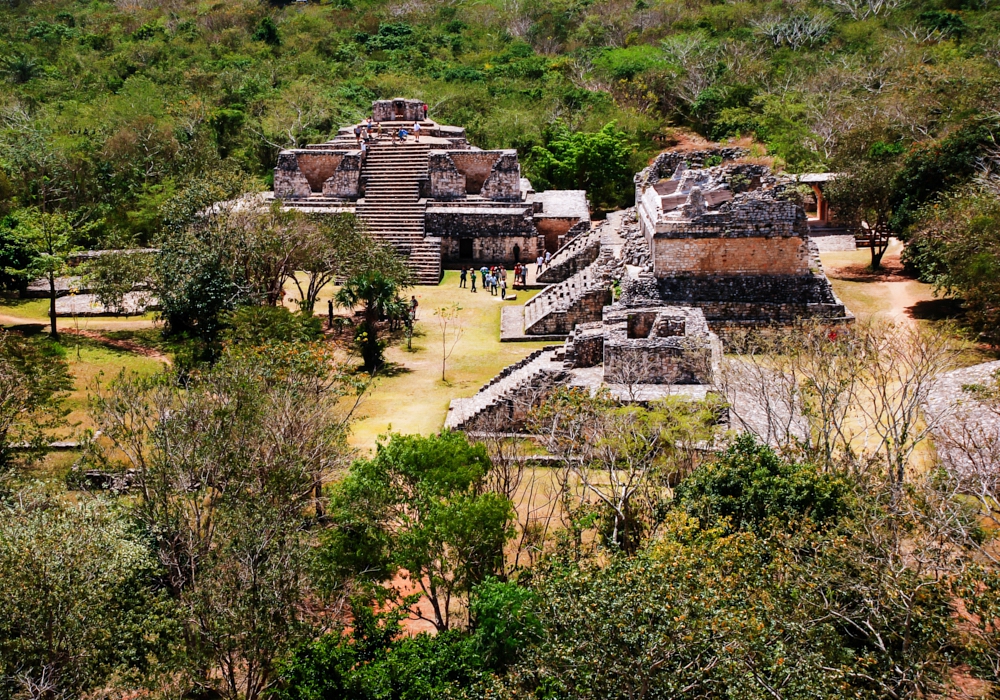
512 327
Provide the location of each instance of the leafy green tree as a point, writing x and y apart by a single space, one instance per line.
33 379
750 487
601 163
227 470
50 240
121 280
956 247
420 505
378 295
80 608
863 196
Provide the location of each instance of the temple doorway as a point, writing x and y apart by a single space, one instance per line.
465 248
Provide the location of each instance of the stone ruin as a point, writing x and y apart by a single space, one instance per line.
708 250
440 200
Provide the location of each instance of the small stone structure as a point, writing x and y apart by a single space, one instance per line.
439 200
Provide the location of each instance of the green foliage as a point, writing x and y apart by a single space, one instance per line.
936 167
258 325
419 505
956 246
707 614
33 377
503 621
751 488
79 605
378 292
267 31
599 162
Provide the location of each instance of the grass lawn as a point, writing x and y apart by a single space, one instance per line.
89 359
16 312
412 398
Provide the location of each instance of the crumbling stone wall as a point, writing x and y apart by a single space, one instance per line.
504 181
585 346
397 109
301 172
446 181
289 182
659 345
345 180
475 166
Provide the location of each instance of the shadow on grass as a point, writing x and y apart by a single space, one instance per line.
389 369
29 328
946 309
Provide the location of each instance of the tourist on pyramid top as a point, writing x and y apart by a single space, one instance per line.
403 133
378 130
357 133
424 107
416 131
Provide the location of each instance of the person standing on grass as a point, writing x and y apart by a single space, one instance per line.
484 271
462 277
472 273
413 308
503 289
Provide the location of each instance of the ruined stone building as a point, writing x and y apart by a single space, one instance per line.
645 300
439 200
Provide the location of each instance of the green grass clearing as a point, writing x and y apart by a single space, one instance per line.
414 399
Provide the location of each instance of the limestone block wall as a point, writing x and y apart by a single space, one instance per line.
446 181
730 256
301 172
479 221
504 181
476 166
289 182
397 109
508 250
345 179
585 346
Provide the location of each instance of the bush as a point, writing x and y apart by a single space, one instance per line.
750 487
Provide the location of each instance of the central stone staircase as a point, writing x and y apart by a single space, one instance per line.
392 207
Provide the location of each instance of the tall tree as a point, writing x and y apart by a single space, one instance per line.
50 239
420 505
227 471
378 295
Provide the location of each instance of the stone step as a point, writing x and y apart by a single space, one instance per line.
517 376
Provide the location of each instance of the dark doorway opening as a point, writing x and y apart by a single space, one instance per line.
517 253
465 248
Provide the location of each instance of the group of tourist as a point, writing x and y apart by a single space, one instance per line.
494 279
370 130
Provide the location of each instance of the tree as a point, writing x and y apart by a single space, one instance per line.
600 163
862 195
378 294
32 381
750 488
420 505
227 471
79 603
449 316
618 461
50 241
121 279
956 247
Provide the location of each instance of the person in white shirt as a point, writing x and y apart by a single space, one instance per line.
416 131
